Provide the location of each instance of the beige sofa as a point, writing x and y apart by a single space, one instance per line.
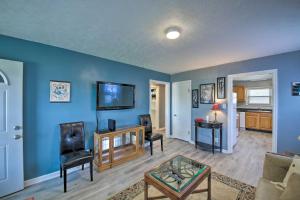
275 169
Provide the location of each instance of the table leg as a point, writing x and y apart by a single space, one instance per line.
146 191
213 140
221 139
209 187
196 133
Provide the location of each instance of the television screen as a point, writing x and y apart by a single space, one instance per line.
113 96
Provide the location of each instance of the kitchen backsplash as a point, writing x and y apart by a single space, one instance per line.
241 105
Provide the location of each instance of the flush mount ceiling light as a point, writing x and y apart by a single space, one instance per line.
172 33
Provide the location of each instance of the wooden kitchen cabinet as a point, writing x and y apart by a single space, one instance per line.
252 120
259 121
240 91
265 121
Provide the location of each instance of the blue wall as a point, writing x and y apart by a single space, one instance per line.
288 66
43 63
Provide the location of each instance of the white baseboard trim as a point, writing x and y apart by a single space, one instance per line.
225 151
192 142
52 175
168 136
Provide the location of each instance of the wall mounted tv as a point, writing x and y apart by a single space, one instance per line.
114 96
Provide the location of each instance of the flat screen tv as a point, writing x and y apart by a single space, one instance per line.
114 96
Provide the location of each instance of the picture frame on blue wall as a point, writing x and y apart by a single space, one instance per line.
195 98
296 88
207 93
221 85
60 91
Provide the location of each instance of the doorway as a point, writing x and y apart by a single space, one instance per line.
159 106
11 123
252 107
181 110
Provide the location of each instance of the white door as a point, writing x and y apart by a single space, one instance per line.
11 123
181 110
234 114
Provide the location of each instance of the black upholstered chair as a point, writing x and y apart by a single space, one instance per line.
72 149
145 120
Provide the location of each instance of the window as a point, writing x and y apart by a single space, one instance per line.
259 96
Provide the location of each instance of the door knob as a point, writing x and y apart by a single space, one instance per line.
16 137
175 115
16 128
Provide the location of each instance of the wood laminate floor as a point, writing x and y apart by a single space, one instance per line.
245 164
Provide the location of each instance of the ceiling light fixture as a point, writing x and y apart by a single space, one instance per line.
172 33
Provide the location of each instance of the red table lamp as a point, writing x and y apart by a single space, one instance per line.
216 107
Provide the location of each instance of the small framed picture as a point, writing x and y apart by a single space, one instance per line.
296 88
207 93
195 98
221 91
60 91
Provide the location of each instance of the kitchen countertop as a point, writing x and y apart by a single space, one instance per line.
254 109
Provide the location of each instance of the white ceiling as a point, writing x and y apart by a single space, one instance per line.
132 31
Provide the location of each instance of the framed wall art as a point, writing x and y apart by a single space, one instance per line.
60 91
207 93
296 88
195 98
221 91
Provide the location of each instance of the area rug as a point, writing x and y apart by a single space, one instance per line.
223 188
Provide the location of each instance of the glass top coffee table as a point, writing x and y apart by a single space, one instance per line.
178 177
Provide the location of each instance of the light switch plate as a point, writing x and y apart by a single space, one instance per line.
299 137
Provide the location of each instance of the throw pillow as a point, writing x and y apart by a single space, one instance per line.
294 168
292 191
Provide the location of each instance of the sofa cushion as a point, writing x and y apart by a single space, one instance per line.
276 166
267 190
294 168
292 190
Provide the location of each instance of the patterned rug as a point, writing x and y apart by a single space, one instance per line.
223 188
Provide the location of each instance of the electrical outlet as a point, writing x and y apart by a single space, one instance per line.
299 137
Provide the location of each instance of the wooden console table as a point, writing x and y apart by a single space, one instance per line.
122 145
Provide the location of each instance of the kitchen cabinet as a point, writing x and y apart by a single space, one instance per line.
240 93
259 121
265 121
252 120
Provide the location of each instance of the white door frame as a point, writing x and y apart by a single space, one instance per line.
167 102
274 112
188 111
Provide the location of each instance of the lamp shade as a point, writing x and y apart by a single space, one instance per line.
216 106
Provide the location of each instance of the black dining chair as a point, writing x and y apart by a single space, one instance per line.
72 149
145 120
